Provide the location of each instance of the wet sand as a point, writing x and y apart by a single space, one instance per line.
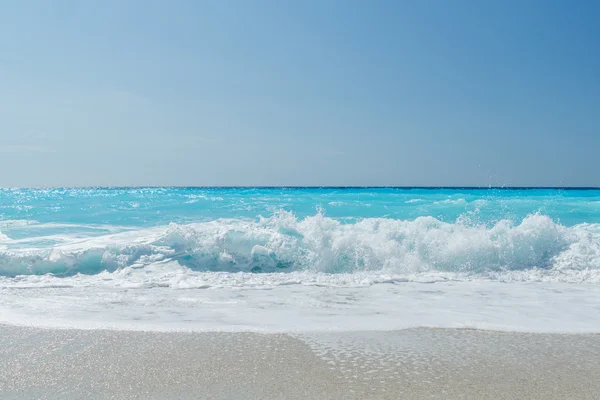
408 364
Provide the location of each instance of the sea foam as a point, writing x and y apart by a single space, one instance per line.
262 259
536 247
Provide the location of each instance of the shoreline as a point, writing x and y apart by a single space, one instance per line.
409 364
292 333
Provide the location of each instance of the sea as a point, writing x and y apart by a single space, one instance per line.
301 259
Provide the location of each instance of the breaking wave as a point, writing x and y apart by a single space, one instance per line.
535 248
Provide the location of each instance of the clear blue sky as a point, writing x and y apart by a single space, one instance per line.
299 93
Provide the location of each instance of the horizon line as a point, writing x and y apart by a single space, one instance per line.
303 187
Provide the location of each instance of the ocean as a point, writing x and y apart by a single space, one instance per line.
301 259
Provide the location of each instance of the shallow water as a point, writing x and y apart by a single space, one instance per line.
182 258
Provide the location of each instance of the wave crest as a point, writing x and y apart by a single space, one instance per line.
283 242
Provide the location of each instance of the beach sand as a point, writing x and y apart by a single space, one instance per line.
409 364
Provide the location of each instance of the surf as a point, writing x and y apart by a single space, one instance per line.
286 243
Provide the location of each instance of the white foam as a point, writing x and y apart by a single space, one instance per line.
16 222
375 274
536 249
129 300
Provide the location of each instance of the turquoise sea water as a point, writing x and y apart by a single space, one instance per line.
301 259
153 206
331 230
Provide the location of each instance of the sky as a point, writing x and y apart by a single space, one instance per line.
307 93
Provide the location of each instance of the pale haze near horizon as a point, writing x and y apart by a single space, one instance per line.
299 93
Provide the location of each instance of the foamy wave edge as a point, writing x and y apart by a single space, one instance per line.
536 249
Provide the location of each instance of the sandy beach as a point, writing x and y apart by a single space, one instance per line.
408 364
